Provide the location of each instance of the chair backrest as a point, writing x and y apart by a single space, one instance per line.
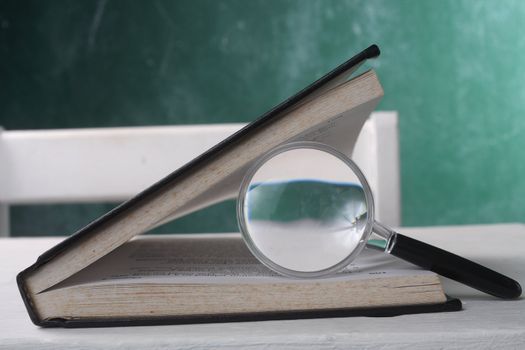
113 164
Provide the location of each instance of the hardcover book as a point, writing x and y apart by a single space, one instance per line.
105 275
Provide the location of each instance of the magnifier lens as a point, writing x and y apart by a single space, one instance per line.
303 212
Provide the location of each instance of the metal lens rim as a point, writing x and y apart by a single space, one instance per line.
244 228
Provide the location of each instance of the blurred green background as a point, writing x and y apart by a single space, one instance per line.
453 69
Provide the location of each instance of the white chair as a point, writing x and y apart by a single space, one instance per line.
113 164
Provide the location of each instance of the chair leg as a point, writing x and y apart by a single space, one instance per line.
4 220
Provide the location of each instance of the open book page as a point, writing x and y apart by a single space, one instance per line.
212 258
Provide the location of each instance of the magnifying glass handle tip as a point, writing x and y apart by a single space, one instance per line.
454 267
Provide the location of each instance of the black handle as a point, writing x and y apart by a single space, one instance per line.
453 266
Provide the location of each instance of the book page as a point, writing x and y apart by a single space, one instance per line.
212 258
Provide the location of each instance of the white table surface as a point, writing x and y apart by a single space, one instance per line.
485 322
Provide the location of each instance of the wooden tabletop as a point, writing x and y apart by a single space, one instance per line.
485 322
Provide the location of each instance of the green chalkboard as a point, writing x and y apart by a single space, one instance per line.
453 69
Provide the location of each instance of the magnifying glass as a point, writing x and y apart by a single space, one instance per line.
306 210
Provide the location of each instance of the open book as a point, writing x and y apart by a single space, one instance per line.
331 110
